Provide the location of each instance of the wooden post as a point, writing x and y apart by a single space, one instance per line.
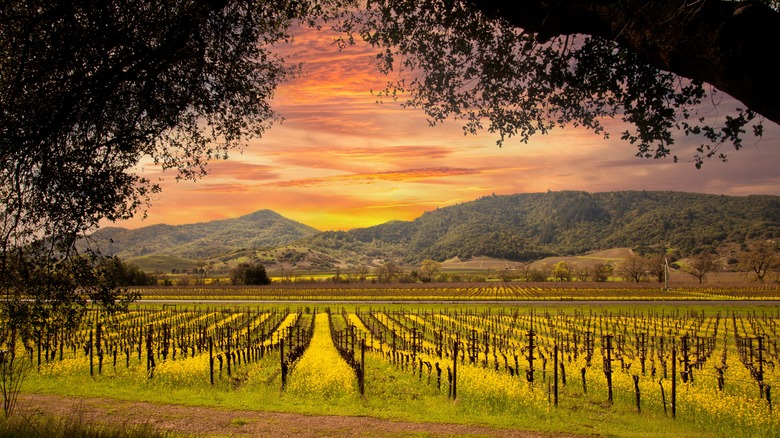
229 334
555 375
211 360
608 366
149 351
39 351
283 364
636 388
663 395
455 367
674 382
99 343
362 366
91 359
530 374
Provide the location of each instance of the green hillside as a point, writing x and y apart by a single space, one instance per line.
206 240
520 227
535 225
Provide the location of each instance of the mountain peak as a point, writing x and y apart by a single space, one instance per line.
260 229
514 227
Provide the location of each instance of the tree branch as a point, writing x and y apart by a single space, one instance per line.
730 45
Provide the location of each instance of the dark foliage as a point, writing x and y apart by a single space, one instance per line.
249 274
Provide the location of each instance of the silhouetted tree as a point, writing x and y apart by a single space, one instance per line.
522 68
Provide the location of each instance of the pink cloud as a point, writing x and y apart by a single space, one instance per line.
242 170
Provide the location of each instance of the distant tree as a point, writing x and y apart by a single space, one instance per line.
561 271
428 270
760 259
602 272
656 265
633 267
700 265
286 274
117 272
255 274
455 277
526 271
506 274
388 271
337 277
249 274
201 272
407 277
538 275
582 273
357 272
544 271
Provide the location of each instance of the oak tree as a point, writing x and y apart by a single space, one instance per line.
633 267
88 90
523 68
700 265
761 258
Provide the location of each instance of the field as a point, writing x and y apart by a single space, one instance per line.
509 358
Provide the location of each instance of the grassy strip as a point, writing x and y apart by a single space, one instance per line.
72 427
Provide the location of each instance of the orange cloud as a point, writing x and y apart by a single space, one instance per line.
243 170
342 161
366 178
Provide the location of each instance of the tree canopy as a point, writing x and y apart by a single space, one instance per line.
249 274
88 89
523 68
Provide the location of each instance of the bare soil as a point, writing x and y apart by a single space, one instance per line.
213 422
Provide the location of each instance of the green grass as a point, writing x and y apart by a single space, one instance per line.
395 394
72 427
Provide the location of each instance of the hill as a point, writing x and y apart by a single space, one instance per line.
536 225
514 228
205 240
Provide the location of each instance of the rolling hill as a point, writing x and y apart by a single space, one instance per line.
205 240
518 227
535 225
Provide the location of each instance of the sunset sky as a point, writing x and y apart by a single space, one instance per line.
342 161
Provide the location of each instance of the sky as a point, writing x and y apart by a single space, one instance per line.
340 160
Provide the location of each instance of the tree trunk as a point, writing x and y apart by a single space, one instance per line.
730 45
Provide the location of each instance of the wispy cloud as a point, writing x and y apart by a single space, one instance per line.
243 171
408 175
341 161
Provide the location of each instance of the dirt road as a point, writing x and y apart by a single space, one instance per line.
213 422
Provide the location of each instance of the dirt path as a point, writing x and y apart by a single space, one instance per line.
209 421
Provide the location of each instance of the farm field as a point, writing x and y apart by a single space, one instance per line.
598 368
466 292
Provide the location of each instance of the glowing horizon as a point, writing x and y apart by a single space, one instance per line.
341 161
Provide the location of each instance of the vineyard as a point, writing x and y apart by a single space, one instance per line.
467 292
660 369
